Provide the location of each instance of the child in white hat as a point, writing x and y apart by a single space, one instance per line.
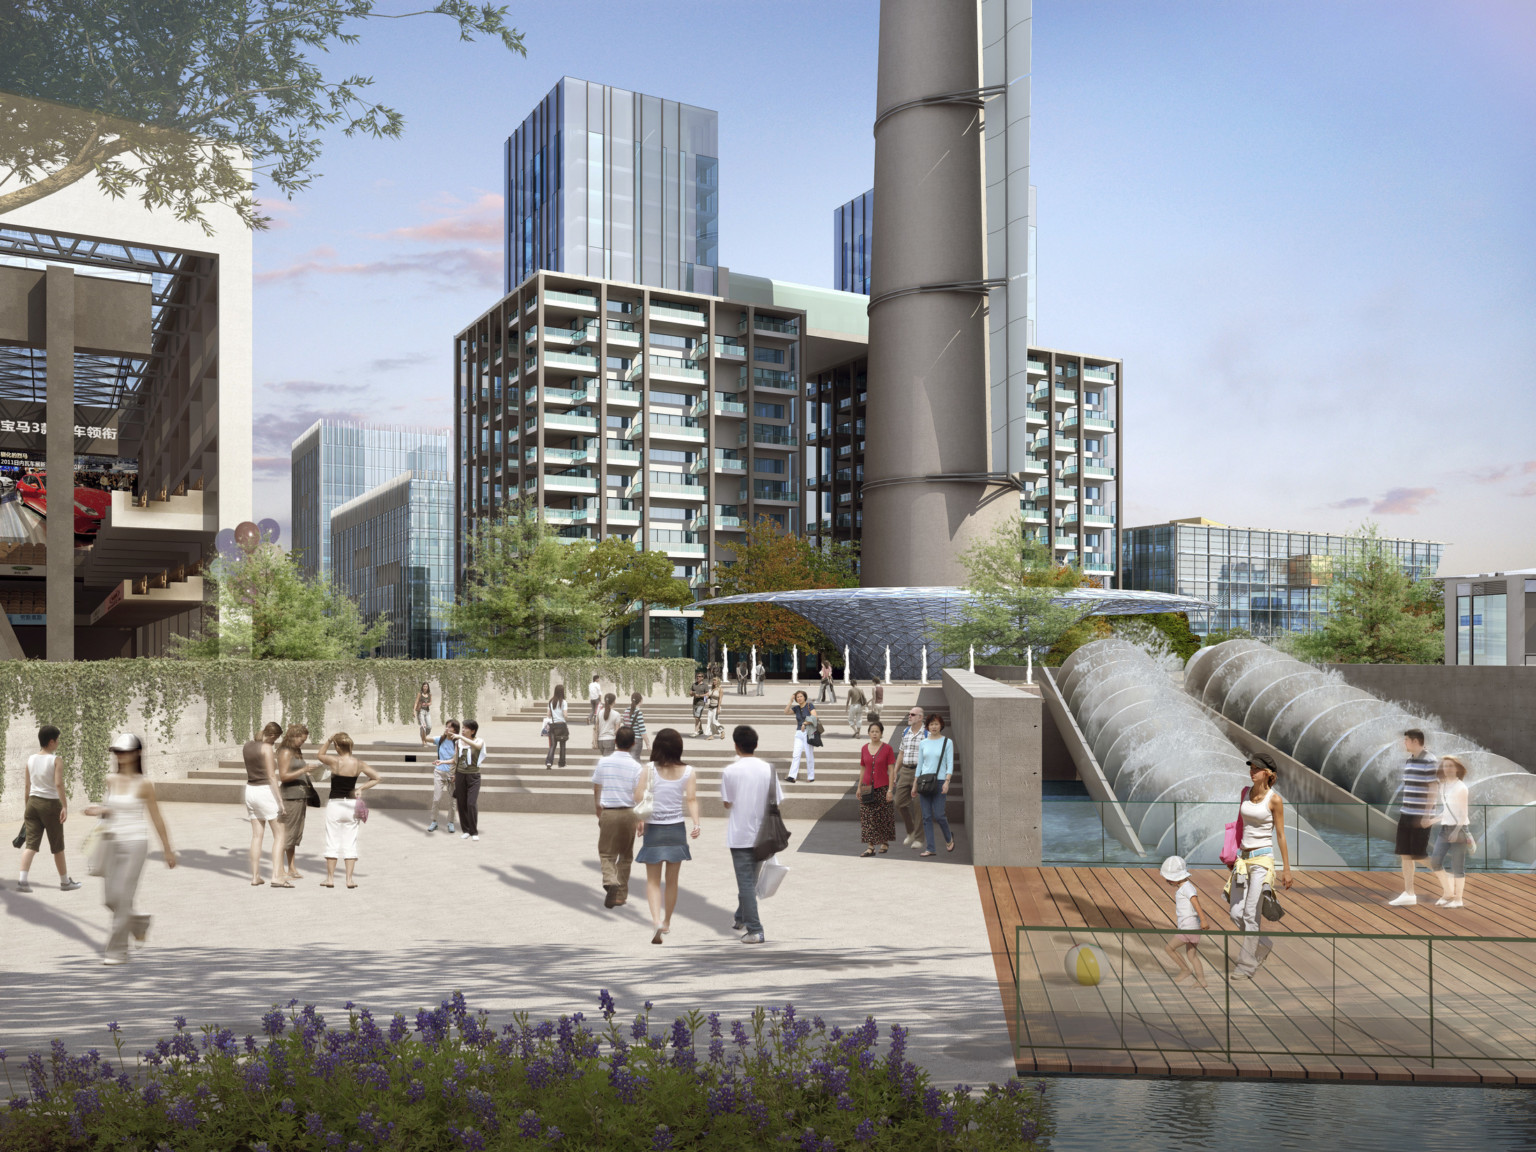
1182 949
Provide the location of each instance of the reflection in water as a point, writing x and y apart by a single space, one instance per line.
1097 1115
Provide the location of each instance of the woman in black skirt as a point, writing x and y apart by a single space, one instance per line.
673 788
877 826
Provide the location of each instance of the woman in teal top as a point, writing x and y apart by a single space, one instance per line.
936 762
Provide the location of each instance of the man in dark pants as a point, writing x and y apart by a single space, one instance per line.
745 786
700 692
1420 792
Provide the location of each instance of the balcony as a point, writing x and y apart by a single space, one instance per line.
623 516
729 408
564 457
1068 542
725 464
771 326
1062 494
623 397
1088 519
774 379
728 523
682 428
678 491
1033 467
622 458
554 482
673 315
566 396
1091 471
681 549
1034 517
563 422
553 299
698 522
568 515
623 339
549 335
1036 366
767 439
570 360
1099 375
769 490
1033 415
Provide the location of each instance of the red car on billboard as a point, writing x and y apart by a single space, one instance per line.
91 504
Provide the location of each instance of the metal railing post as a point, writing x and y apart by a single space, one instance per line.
1226 963
1176 851
1431 1001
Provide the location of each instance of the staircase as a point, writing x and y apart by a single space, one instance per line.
514 779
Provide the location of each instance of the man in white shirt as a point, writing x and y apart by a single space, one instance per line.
47 808
613 796
594 696
744 788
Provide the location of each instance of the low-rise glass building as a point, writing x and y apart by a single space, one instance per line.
1261 580
392 552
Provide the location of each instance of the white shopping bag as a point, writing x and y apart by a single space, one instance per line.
770 876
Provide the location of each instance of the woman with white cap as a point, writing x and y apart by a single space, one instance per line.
1183 948
129 809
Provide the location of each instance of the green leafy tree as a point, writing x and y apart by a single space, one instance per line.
1214 638
523 595
1377 612
264 608
770 559
162 96
621 579
1014 583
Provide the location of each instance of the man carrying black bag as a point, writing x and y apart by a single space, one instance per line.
751 793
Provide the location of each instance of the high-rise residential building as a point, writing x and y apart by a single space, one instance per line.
392 552
336 461
1071 478
668 418
616 185
852 229
1490 618
1261 580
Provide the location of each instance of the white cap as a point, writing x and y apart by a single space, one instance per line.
1174 868
126 742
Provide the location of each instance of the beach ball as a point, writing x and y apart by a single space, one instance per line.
1086 964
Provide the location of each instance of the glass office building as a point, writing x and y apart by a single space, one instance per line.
392 552
614 184
852 229
334 462
1490 618
1259 580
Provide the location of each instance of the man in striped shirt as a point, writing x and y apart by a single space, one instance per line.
1420 800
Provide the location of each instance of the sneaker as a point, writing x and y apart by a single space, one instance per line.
753 938
23 886
475 837
738 926
450 827
68 885
463 835
790 780
612 896
1442 902
1455 904
1406 900
114 960
432 827
1240 976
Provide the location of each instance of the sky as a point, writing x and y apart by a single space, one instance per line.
1306 228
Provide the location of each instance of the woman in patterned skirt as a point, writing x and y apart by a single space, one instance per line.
877 825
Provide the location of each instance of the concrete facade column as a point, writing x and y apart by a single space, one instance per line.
928 408
59 328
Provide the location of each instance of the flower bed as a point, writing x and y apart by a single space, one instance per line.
453 1081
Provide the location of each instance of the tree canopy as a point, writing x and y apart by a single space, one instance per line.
163 97
1377 612
770 559
621 579
266 609
523 595
1014 582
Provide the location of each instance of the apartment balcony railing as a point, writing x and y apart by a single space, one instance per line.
569 299
769 490
676 315
771 325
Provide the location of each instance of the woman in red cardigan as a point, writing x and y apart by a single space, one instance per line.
877 825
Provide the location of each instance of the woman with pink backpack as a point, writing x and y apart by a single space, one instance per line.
1250 853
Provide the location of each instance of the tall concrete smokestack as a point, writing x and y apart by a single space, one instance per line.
929 490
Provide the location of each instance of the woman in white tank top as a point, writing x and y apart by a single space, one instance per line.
1262 813
673 788
130 808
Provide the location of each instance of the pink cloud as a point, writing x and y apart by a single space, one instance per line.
461 267
1352 502
479 221
1403 501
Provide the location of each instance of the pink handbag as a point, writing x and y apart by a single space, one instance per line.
1231 847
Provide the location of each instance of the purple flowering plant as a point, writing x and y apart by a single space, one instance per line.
449 1080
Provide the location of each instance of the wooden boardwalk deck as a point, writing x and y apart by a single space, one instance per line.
1320 1007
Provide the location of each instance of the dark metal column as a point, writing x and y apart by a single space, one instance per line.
928 489
59 459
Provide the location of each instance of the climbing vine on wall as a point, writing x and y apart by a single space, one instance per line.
90 701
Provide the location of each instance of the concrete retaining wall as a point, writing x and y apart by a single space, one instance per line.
997 730
1494 706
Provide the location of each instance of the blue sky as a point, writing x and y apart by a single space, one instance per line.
1307 228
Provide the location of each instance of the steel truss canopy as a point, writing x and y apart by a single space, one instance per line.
100 381
868 620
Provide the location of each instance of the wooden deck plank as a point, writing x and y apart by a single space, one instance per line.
1484 1002
1002 962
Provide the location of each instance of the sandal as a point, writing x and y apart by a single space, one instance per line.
326 884
257 883
925 852
950 847
880 851
352 885
284 884
867 852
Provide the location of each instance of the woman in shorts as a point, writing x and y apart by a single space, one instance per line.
264 800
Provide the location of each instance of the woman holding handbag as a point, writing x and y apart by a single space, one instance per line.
345 809
1261 813
1453 834
807 723
293 777
877 824
557 729
672 789
935 765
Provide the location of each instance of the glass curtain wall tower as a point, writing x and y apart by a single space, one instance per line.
614 184
852 226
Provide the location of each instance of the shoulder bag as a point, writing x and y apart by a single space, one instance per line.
648 801
311 797
1231 847
772 835
1269 904
928 782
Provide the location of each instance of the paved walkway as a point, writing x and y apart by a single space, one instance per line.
516 921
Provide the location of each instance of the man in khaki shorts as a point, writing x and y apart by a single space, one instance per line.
906 742
47 809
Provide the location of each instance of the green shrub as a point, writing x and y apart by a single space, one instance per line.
452 1081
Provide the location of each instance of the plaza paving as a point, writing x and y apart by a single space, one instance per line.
516 921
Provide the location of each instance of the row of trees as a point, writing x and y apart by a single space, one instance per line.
527 593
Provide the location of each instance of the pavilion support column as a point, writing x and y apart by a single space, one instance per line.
60 461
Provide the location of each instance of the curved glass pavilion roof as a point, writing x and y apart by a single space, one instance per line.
867 620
